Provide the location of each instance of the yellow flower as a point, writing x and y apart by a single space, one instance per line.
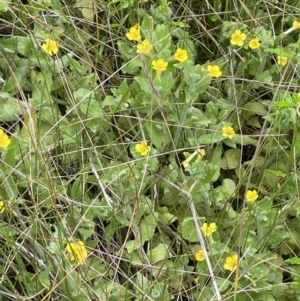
144 47
2 206
238 38
200 255
214 70
282 60
201 152
181 55
251 196
4 139
160 65
231 262
254 44
209 230
77 252
296 24
134 33
143 148
50 47
228 132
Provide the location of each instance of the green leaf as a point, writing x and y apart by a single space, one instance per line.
223 284
253 108
44 278
165 216
123 91
10 107
284 104
142 282
195 117
279 51
160 252
133 66
36 7
49 113
4 5
263 34
293 260
147 27
7 231
277 173
216 161
152 164
21 45
122 220
254 122
264 77
87 8
86 233
254 65
20 76
162 40
187 229
231 159
70 132
41 87
90 107
126 52
228 188
211 112
9 188
148 226
244 140
158 133
211 138
197 80
179 24
164 85
132 245
144 84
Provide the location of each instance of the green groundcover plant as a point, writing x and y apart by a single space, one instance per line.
149 150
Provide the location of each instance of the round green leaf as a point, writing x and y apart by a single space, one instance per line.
231 159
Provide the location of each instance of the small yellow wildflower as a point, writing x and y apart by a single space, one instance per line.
231 262
201 152
251 196
238 38
209 230
134 33
282 60
214 70
144 47
200 256
4 139
181 55
296 24
77 252
228 132
142 148
160 65
2 206
50 47
254 44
